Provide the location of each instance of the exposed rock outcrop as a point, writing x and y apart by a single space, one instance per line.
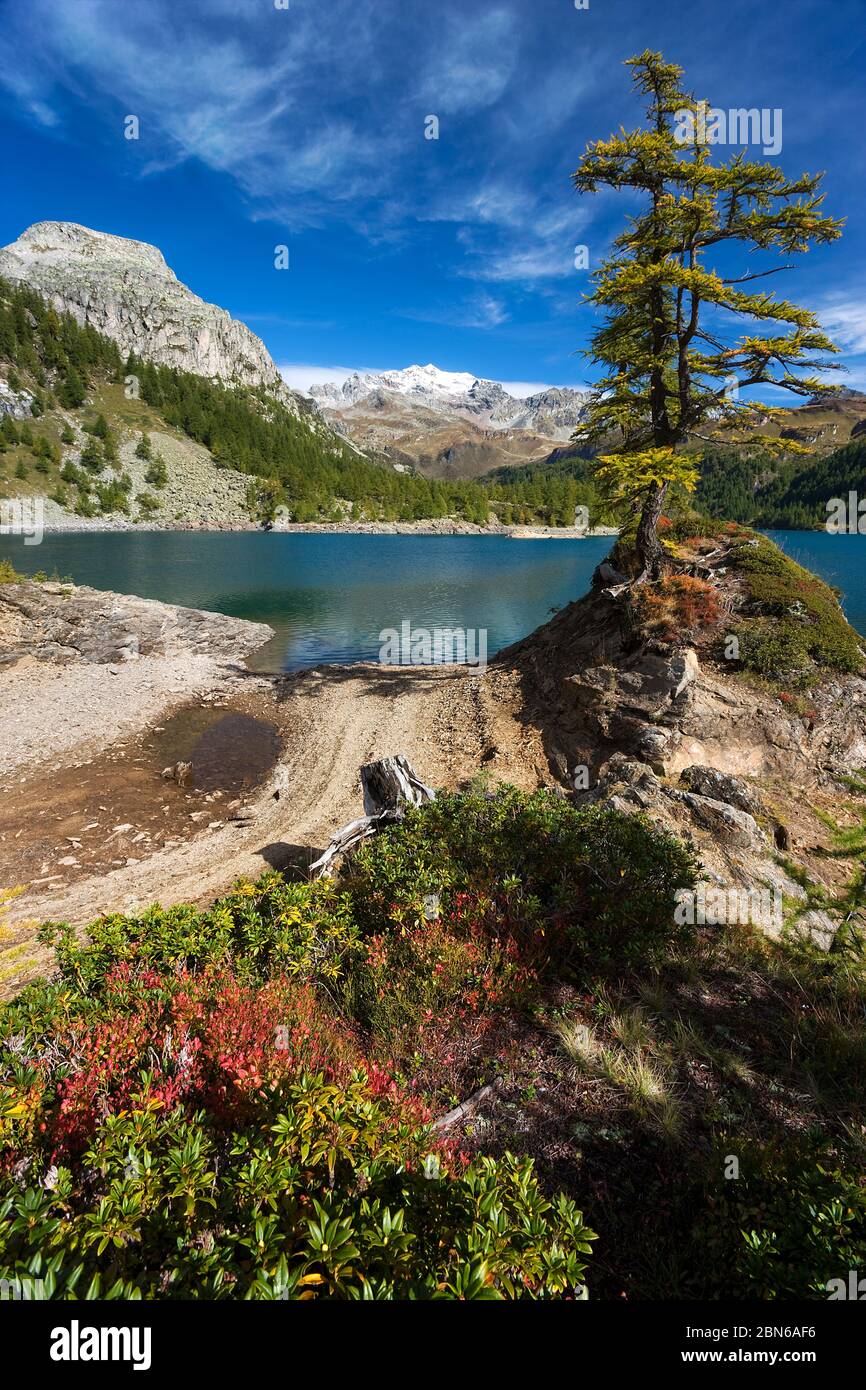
736 852
17 404
65 623
661 727
124 289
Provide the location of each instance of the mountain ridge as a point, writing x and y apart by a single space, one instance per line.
554 410
127 291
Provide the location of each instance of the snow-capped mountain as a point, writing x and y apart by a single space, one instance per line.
554 412
426 384
448 424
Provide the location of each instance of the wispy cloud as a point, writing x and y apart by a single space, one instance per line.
844 317
315 111
471 63
482 311
254 100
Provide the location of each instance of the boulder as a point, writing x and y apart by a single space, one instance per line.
720 786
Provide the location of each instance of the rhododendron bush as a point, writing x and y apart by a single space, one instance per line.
239 1102
204 1137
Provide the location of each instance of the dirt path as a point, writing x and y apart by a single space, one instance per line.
148 845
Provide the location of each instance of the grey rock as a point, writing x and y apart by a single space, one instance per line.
68 623
125 290
720 786
728 824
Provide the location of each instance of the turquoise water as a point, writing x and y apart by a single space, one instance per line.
841 560
329 596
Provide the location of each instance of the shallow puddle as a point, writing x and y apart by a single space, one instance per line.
227 752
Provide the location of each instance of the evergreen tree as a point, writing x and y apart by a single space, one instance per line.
666 373
71 392
157 473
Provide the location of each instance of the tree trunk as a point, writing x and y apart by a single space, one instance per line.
650 552
391 783
389 786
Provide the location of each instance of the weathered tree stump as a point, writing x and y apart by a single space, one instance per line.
389 785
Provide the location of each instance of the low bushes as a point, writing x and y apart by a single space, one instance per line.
237 1102
583 884
793 627
341 1194
175 1133
789 1225
677 608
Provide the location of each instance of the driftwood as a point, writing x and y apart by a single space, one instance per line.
389 785
467 1107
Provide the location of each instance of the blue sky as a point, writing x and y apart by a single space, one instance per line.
305 126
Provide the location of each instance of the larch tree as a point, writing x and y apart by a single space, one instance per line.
673 365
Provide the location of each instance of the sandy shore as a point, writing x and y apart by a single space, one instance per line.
81 668
88 821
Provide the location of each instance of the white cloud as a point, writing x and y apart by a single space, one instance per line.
844 318
302 375
482 311
316 111
256 101
475 57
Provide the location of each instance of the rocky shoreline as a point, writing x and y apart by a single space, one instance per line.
447 527
88 679
80 667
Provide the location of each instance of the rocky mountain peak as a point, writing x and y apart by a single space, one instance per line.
125 289
58 241
553 412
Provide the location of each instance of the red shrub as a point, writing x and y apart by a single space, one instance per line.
204 1040
677 607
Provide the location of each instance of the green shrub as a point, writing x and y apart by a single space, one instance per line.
794 628
230 1103
340 1196
147 503
183 1115
303 929
793 1221
607 880
157 473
